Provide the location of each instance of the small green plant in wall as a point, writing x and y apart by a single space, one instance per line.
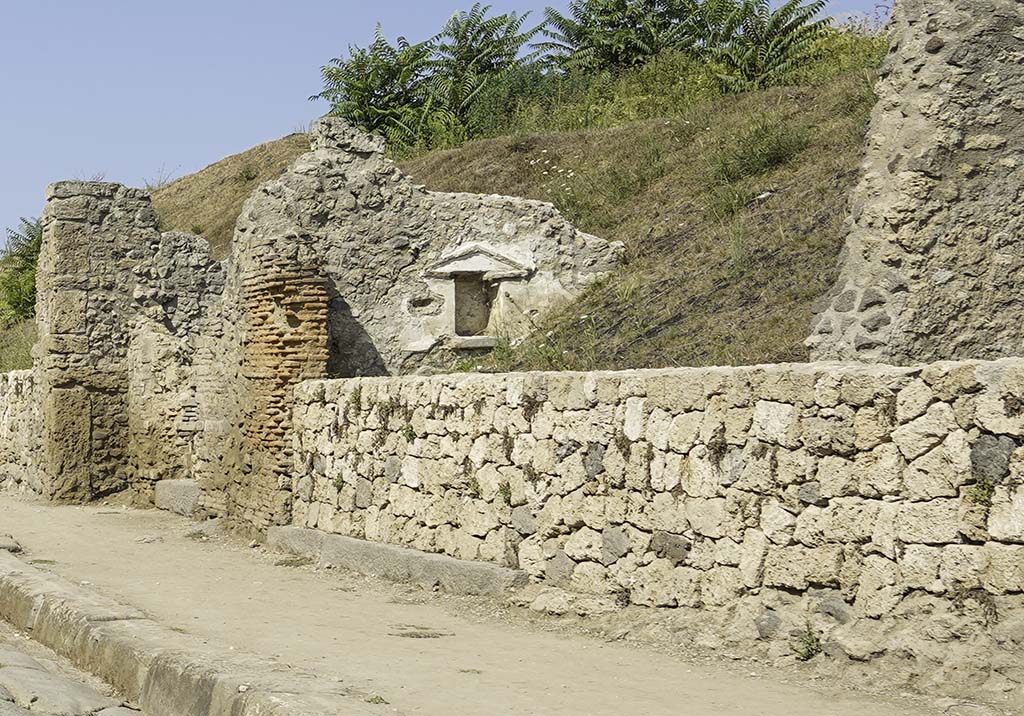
808 644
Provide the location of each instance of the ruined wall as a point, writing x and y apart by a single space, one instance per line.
19 432
344 267
175 302
119 309
933 266
877 500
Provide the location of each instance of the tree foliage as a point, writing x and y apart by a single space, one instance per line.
446 90
18 262
765 46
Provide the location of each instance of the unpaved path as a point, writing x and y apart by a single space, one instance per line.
221 590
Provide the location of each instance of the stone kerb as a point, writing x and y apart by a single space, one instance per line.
879 487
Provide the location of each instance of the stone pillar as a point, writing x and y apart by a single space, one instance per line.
94 235
933 267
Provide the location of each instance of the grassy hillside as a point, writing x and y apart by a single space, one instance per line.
731 214
209 201
15 346
730 211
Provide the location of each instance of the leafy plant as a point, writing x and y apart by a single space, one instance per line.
379 88
18 262
808 644
765 47
472 50
602 34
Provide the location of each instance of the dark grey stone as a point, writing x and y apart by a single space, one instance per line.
990 457
934 44
872 297
558 570
593 460
614 544
523 521
809 493
845 301
833 605
767 624
671 547
876 320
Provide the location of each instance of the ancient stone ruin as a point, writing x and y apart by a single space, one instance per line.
288 386
933 267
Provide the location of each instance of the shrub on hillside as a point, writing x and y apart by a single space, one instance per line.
18 262
605 62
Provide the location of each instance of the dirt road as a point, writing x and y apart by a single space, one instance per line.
410 655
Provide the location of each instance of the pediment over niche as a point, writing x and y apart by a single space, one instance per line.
489 262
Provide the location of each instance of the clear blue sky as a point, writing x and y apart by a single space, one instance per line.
130 88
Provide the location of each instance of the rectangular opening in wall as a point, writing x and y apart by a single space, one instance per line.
472 305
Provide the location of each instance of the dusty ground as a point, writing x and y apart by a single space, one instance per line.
407 649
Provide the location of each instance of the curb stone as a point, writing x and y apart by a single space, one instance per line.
399 564
165 672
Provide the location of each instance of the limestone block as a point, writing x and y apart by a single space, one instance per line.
941 471
700 474
721 585
919 568
660 584
934 522
801 567
878 592
836 477
590 578
777 523
634 419
963 566
478 518
776 423
1004 568
68 311
922 434
752 555
684 431
1006 515
879 472
178 496
872 425
708 517
913 400
584 544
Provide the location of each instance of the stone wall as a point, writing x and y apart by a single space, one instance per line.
933 267
156 362
773 492
345 267
19 432
121 308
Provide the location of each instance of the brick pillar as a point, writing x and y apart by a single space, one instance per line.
284 311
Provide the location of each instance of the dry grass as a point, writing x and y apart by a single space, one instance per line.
731 216
209 201
16 345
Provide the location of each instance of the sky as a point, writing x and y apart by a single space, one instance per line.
133 90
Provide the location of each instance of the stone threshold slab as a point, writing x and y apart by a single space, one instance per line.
164 671
398 564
